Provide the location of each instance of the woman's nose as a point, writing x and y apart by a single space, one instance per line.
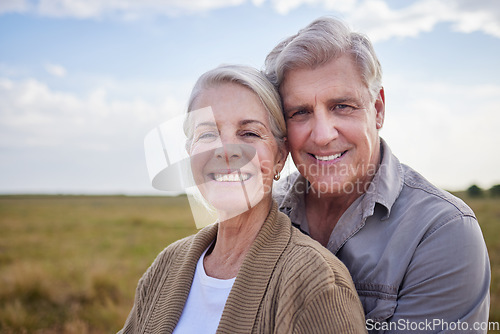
229 151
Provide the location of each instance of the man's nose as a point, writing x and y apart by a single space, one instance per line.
324 128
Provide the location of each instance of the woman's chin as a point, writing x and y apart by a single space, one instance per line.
232 204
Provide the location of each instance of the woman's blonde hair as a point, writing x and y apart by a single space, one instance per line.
247 77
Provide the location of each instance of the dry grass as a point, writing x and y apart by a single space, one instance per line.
70 264
488 213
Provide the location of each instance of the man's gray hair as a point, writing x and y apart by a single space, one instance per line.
326 38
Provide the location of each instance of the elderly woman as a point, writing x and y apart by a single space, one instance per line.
250 272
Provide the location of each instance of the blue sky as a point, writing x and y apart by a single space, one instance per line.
82 82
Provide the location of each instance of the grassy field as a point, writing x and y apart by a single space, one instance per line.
70 264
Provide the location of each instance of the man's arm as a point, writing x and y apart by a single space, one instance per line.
446 285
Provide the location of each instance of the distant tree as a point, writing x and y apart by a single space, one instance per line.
495 190
474 191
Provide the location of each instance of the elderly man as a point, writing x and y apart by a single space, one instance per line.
416 253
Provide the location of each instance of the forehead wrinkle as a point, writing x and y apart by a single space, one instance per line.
340 93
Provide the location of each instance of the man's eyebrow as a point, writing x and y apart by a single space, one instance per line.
337 100
344 99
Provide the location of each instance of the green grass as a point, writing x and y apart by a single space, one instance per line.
70 264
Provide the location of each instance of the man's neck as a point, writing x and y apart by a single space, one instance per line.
323 213
324 210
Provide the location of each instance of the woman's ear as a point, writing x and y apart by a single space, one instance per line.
282 155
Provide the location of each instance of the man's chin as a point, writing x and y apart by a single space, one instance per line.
330 185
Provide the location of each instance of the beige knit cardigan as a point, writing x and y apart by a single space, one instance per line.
288 283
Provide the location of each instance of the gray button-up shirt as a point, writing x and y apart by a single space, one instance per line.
416 253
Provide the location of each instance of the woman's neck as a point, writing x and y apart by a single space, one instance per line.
234 239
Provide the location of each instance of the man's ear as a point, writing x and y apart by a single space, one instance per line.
380 109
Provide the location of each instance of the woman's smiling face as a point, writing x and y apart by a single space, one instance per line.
234 154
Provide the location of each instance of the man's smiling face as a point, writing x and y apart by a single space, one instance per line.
333 124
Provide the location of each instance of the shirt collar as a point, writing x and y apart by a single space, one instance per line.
291 196
386 184
384 189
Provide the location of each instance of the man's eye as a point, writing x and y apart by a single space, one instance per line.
298 113
343 108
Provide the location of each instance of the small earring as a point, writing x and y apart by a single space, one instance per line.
277 176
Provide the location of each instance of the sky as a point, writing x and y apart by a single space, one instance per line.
83 81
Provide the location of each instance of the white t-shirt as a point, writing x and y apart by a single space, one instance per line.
205 303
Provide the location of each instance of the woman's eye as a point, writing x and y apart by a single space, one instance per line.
250 134
207 136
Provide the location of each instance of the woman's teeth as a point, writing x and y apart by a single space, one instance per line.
328 157
231 177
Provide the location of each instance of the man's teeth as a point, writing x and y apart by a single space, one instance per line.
328 157
231 177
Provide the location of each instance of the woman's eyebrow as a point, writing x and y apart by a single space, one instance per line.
204 124
249 121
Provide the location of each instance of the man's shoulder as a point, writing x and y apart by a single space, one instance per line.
400 185
421 193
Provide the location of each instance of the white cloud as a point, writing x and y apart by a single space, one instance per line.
374 17
127 9
258 2
449 133
381 22
9 6
482 15
33 115
58 142
55 70
285 6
